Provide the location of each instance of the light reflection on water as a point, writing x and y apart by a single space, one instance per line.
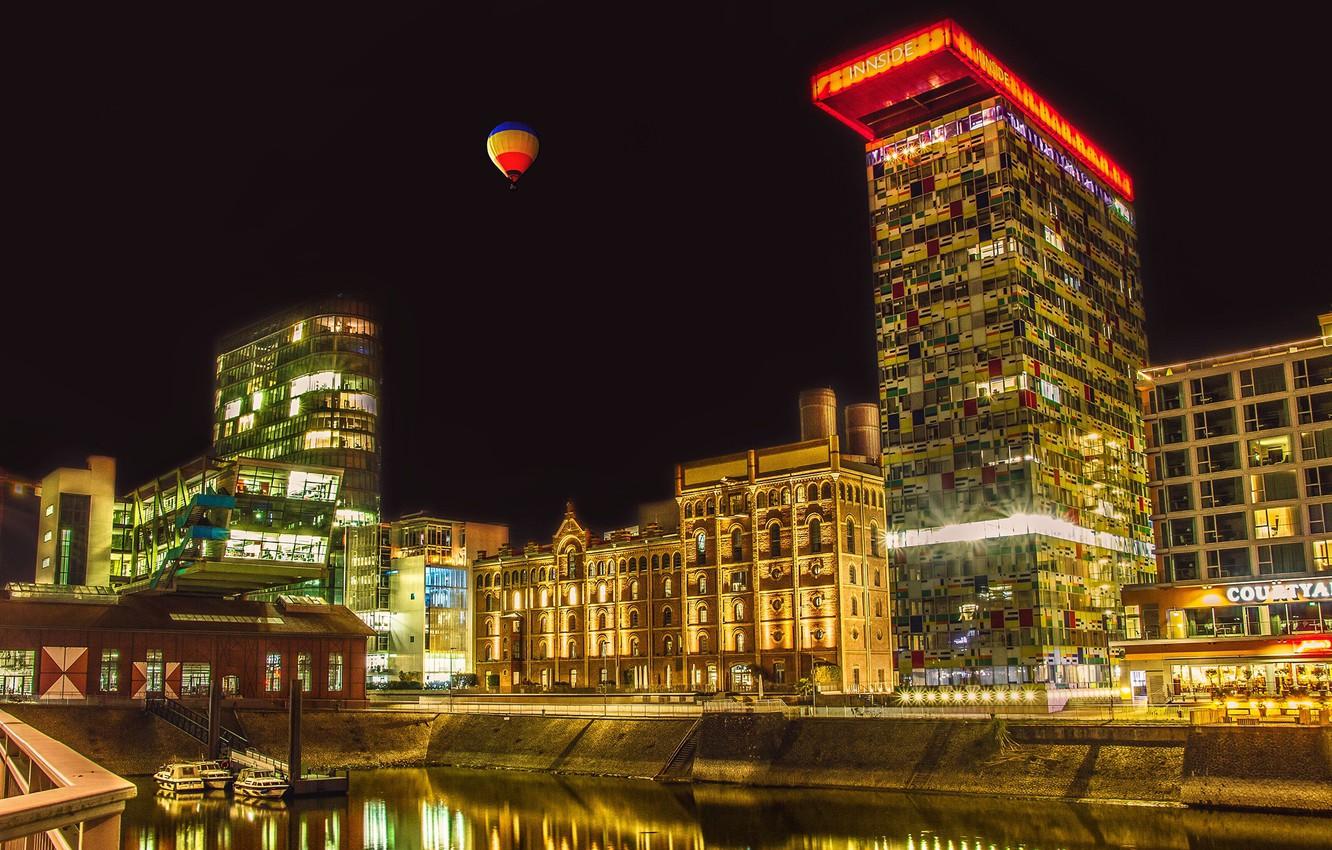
441 809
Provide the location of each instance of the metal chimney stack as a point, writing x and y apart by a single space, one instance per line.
863 436
818 414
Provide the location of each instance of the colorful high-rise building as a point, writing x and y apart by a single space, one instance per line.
303 386
1010 330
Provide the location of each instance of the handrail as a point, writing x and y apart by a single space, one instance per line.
52 788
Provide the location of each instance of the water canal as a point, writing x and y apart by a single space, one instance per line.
436 808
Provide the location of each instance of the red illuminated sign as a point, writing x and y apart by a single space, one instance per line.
947 40
1313 646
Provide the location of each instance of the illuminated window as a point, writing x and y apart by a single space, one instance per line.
257 400
315 381
304 671
701 547
294 408
774 540
50 509
298 332
667 616
815 535
232 410
850 536
245 423
737 549
110 671
1322 555
666 587
1276 522
273 672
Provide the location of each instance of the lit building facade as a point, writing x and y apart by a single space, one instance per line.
776 566
303 386
223 527
1240 451
74 539
1010 332
430 634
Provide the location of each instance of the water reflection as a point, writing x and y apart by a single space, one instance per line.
438 809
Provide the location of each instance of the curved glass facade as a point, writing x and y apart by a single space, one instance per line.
303 386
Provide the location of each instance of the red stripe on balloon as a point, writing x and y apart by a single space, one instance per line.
514 161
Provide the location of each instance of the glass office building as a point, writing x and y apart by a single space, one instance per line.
1010 330
303 387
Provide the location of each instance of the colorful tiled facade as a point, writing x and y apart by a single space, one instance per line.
1010 332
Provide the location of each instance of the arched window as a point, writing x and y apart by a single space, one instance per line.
573 649
504 650
826 490
739 641
541 649
712 507
668 645
601 568
490 602
739 610
601 621
689 510
654 562
545 598
774 541
517 599
854 608
490 652
841 490
541 574
601 591
737 545
762 499
490 626
633 646
878 607
633 589
542 623
876 578
622 566
786 496
573 596
799 494
850 536
874 539
852 575
815 535
666 587
702 613
703 643
813 492
571 562
677 560
633 620
667 616
701 546
702 584
603 647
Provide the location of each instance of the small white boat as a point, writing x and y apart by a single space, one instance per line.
181 777
215 776
260 782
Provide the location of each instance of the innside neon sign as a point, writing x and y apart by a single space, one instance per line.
948 36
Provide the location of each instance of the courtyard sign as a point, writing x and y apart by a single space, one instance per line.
1289 592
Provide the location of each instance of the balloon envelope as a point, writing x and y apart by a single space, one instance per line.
512 147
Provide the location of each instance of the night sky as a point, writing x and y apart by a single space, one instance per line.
689 251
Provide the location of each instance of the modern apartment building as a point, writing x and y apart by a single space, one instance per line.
429 609
1010 327
74 526
775 565
303 386
1240 455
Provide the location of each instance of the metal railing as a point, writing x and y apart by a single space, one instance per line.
52 797
582 708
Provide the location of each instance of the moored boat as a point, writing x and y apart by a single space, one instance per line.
181 777
215 776
261 782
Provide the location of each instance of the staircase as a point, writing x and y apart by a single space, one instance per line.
235 747
681 762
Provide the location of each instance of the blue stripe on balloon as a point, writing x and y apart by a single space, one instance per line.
513 125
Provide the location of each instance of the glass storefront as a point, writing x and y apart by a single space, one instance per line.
1246 678
18 672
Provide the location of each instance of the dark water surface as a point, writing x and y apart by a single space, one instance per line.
436 808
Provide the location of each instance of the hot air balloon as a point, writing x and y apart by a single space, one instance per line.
512 147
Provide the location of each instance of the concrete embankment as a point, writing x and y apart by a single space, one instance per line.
1274 769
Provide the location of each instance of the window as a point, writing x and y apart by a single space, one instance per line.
701 547
815 535
666 587
110 671
1314 372
1169 397
572 623
1176 464
1211 389
774 541
1281 558
737 545
1320 518
273 672
1263 380
1316 445
633 644
633 589
739 611
850 536
874 545
1272 487
1276 522
702 584
739 641
1318 481
1222 457
667 616
335 672
1182 566
668 646
1315 408
1269 451
676 560
1170 430
1214 423
703 643
1228 563
702 613
1221 492
156 671
1177 497
633 619
1180 532
1224 528
1266 415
